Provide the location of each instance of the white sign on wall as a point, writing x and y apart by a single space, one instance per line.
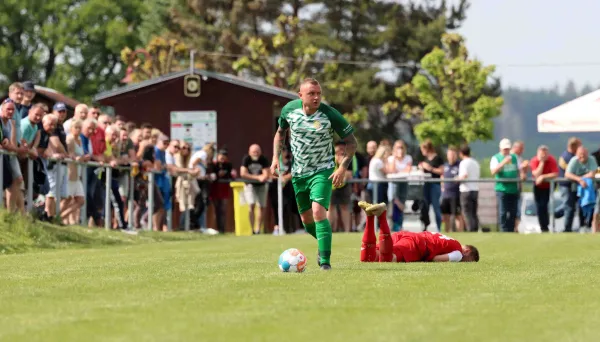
198 128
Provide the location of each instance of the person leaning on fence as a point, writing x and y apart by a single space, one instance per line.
186 186
75 193
30 135
58 143
93 213
580 171
113 157
505 166
46 150
378 171
543 168
14 194
399 162
255 167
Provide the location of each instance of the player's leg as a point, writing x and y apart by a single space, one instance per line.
368 248
320 194
385 235
304 206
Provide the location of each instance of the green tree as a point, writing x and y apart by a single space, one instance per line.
161 56
452 96
70 45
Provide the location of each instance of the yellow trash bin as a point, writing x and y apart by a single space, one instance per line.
241 210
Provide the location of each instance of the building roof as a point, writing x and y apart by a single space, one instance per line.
56 96
221 77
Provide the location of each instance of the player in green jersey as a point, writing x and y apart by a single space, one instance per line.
311 125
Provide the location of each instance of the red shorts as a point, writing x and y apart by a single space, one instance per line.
408 247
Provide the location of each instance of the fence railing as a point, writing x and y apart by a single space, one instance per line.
412 180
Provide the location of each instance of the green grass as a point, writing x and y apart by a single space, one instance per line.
22 234
525 288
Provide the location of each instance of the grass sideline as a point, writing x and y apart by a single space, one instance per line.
20 234
525 288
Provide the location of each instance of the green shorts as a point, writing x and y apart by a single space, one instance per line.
315 188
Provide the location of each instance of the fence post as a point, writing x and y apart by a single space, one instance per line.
107 213
29 185
130 204
84 182
552 227
59 187
375 192
280 205
2 179
150 199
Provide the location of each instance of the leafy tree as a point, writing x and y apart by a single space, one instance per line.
160 57
70 45
451 92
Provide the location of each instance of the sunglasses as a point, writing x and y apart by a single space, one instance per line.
177 147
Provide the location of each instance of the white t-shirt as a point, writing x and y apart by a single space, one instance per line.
202 155
67 125
401 164
376 167
169 158
469 167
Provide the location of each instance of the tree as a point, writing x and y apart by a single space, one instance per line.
70 45
160 57
452 93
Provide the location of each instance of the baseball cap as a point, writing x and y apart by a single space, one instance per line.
28 86
59 106
505 144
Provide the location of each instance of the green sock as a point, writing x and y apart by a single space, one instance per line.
311 229
324 240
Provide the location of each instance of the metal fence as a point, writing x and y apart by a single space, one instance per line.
419 181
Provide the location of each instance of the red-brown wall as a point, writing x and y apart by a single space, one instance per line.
244 116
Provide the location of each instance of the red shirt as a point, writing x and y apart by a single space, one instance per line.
550 166
439 244
98 142
427 245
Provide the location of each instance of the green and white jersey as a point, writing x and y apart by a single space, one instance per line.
311 136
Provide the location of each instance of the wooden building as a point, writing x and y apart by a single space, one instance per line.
246 111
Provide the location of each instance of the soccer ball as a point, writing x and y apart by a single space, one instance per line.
292 260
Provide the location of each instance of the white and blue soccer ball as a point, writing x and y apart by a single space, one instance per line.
292 260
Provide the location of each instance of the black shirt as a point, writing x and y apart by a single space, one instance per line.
62 136
227 167
435 163
44 139
255 167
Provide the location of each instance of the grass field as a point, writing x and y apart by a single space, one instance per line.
525 288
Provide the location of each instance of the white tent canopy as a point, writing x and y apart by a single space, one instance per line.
579 115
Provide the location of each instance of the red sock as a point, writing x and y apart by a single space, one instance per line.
385 239
368 252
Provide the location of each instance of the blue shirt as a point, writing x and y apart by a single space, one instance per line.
161 178
563 162
28 130
451 188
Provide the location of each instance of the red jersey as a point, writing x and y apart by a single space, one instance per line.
438 244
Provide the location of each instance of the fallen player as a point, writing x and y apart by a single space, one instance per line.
408 246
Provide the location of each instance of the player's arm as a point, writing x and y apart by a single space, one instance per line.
455 256
351 146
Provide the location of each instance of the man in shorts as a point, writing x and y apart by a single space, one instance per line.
408 246
255 167
311 125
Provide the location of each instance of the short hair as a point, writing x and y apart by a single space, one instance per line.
90 121
146 125
309 80
15 86
124 129
40 105
574 142
340 143
453 149
543 148
130 126
120 118
427 145
474 252
465 150
104 116
50 117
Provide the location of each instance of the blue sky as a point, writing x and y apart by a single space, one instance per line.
515 34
